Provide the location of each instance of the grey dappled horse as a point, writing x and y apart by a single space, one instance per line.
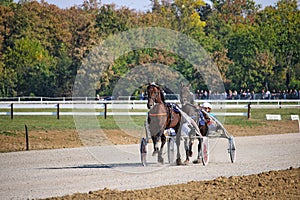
188 106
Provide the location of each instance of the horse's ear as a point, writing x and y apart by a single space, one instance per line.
157 81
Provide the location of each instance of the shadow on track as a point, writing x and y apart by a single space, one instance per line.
99 166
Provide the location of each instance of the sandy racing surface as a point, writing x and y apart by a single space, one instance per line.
50 173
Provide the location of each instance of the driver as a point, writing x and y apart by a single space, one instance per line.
204 119
205 124
210 124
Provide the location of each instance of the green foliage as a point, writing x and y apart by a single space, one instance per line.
280 29
111 21
253 65
31 65
6 2
42 46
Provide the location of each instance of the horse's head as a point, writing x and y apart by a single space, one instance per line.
155 95
186 96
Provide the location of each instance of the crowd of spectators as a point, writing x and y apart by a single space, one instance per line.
248 94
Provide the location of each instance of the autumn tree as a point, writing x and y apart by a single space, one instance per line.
280 29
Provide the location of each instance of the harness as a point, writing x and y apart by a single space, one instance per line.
156 94
170 107
158 114
173 106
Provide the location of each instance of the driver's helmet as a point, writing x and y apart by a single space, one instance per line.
206 105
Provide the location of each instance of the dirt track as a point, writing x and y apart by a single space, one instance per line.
40 174
53 139
278 185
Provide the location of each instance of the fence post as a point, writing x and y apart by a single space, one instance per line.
249 111
26 138
105 110
11 111
279 104
57 111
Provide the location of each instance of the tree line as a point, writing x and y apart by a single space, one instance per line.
43 46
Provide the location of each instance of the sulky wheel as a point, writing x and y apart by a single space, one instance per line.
204 150
143 151
231 149
171 150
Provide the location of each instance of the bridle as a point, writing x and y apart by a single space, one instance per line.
185 98
156 94
154 97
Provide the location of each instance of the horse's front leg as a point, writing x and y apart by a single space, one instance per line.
187 147
160 158
190 148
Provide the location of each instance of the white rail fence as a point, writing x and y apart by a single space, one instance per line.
129 107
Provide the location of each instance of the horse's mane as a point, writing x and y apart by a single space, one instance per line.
192 101
162 96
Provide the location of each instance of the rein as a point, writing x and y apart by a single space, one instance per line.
188 103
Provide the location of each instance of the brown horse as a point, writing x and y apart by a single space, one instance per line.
162 116
187 106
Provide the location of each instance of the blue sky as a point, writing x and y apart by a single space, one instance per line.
133 4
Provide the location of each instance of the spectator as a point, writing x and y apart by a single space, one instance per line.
240 94
280 94
197 94
248 94
290 94
142 96
205 95
284 94
252 95
273 94
224 95
230 95
209 93
268 94
263 94
294 94
235 94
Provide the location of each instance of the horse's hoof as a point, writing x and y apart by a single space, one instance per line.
154 153
197 161
186 162
178 162
160 160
